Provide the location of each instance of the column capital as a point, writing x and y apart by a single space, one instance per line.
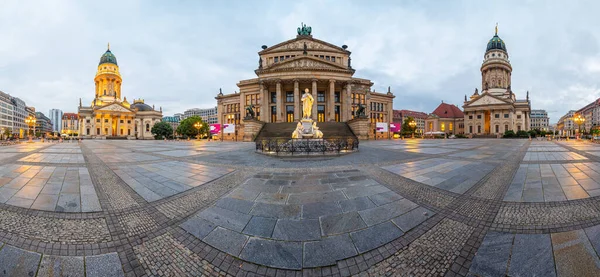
331 81
314 80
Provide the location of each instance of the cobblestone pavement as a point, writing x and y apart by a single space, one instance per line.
461 207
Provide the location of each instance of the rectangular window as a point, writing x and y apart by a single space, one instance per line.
98 120
129 132
87 121
478 128
289 97
106 131
442 127
497 129
518 128
121 132
273 97
105 120
470 117
478 116
276 59
337 113
88 131
321 113
320 96
450 127
289 110
497 115
97 131
518 116
337 96
273 114
128 121
505 115
470 129
121 121
333 59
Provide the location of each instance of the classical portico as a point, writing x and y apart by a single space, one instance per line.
108 115
286 69
497 109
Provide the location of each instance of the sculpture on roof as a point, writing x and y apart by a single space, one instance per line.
304 30
250 112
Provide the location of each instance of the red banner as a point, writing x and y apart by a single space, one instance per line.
215 128
395 127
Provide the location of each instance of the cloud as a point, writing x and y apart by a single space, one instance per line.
178 54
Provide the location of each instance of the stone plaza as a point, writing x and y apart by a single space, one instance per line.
445 207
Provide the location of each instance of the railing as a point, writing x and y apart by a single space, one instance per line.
290 147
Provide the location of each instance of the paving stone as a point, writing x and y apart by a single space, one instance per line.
532 255
593 234
316 210
359 191
375 236
45 202
18 262
226 218
68 202
106 265
243 194
574 255
386 212
341 223
236 205
492 256
226 240
357 204
272 198
260 226
385 197
55 266
305 188
297 229
412 218
198 227
276 211
312 197
328 251
279 254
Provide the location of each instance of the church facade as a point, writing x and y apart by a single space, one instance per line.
109 115
287 69
496 109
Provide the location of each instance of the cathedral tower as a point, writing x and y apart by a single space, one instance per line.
107 80
496 69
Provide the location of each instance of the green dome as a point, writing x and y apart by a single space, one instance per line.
108 57
496 43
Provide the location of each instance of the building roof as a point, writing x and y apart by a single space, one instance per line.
413 114
140 106
70 115
448 111
108 57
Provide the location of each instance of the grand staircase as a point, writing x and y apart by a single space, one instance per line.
284 130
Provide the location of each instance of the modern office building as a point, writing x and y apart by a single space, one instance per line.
43 124
419 117
173 121
540 120
13 112
208 115
591 113
565 125
56 116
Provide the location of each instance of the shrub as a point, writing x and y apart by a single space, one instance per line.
509 134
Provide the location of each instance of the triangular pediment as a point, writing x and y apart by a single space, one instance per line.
115 107
485 100
296 44
306 62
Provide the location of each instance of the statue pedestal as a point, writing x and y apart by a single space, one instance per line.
307 129
360 127
252 128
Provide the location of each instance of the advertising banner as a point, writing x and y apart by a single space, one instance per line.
395 127
215 128
381 127
228 128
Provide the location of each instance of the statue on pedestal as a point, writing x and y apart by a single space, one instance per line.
250 112
317 134
298 132
307 103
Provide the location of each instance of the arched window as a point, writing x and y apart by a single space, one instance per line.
147 127
104 92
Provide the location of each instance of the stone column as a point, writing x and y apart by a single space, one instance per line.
297 95
280 117
264 103
242 107
314 94
330 116
348 99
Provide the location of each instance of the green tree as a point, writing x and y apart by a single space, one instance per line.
162 130
6 133
187 129
406 128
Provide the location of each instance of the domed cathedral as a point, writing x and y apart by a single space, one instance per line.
109 115
285 71
496 109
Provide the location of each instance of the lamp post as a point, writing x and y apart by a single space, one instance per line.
30 120
198 125
578 119
412 125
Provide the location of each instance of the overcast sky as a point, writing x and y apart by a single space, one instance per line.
177 54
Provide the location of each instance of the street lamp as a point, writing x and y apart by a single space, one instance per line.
30 120
412 125
578 119
198 125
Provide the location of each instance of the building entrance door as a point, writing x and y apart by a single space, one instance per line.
487 122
